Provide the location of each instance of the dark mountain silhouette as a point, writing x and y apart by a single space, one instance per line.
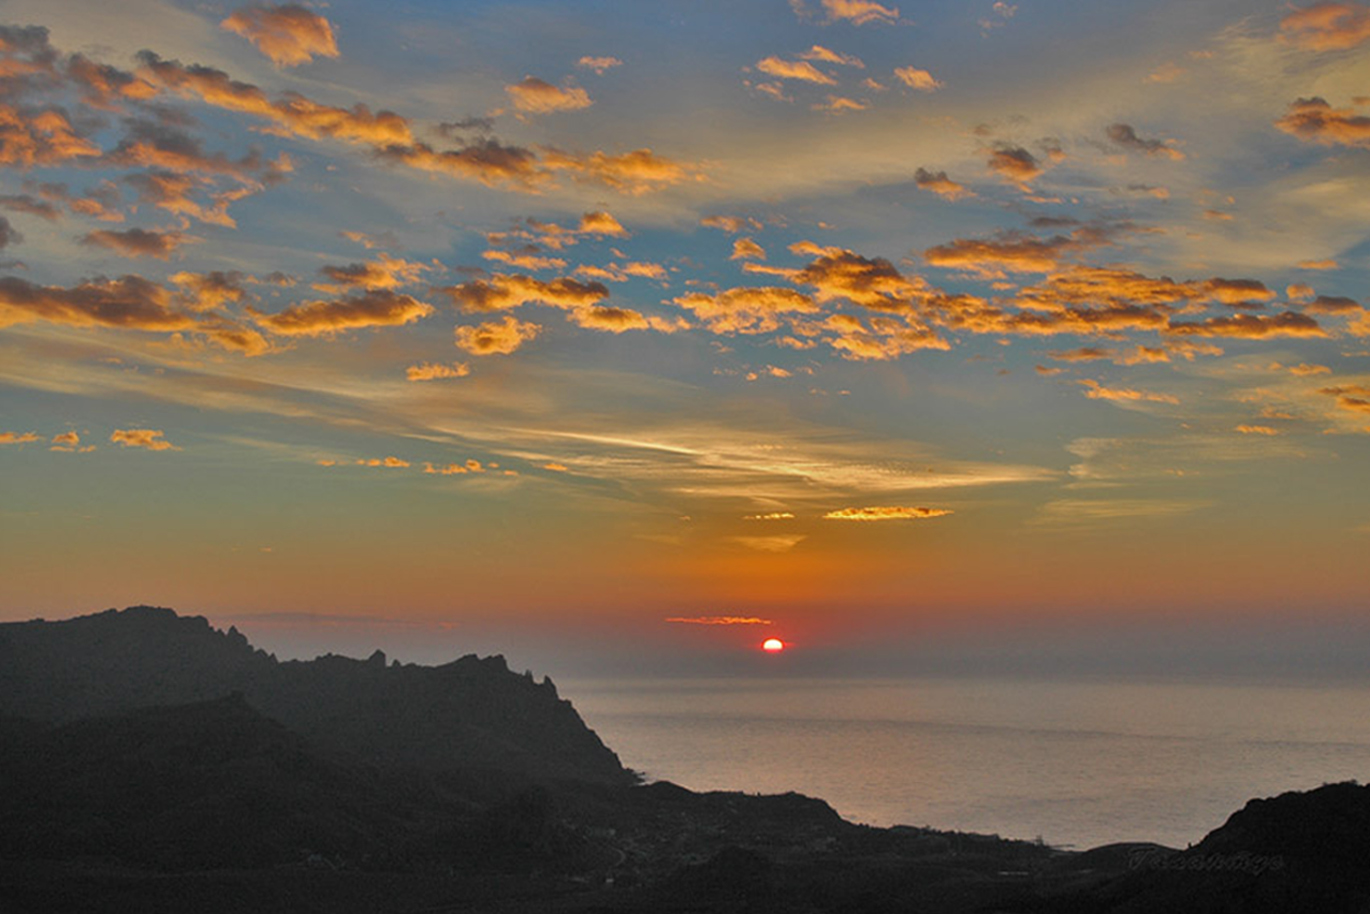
193 786
471 713
1297 853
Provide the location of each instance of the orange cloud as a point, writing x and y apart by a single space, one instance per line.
747 249
138 242
1299 292
388 463
918 79
103 86
1314 120
208 291
1089 288
837 104
860 12
385 272
746 309
818 52
872 282
1318 265
525 261
1252 326
800 70
151 439
1327 26
731 224
487 161
1150 355
536 96
1125 136
1235 292
452 469
718 620
1150 190
292 113
774 90
493 163
1332 304
885 513
774 515
373 308
370 242
1013 252
633 172
1107 319
70 443
429 371
174 192
18 438
623 272
504 291
880 338
1354 397
1096 391
1258 430
941 185
609 320
130 303
601 223
1083 354
65 441
1014 165
233 335
496 337
40 138
599 64
289 34
538 234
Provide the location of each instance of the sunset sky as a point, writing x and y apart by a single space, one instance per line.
623 318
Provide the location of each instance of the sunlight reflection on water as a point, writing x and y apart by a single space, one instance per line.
1078 762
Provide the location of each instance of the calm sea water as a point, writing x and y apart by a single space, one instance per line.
1079 763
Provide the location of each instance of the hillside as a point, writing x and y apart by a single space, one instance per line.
470 713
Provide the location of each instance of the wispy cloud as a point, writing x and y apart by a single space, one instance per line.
884 513
146 438
1076 512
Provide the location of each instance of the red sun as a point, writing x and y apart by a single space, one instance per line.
772 645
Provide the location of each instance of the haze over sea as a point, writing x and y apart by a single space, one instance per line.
1078 761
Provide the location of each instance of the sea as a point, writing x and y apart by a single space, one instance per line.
1076 763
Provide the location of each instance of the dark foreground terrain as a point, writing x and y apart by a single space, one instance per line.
113 798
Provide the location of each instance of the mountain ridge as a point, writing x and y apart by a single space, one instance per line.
471 712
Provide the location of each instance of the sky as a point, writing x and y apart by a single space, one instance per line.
686 324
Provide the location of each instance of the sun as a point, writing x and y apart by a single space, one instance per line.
773 645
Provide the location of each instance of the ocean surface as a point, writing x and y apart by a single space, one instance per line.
1078 763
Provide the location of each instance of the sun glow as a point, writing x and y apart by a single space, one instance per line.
773 645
